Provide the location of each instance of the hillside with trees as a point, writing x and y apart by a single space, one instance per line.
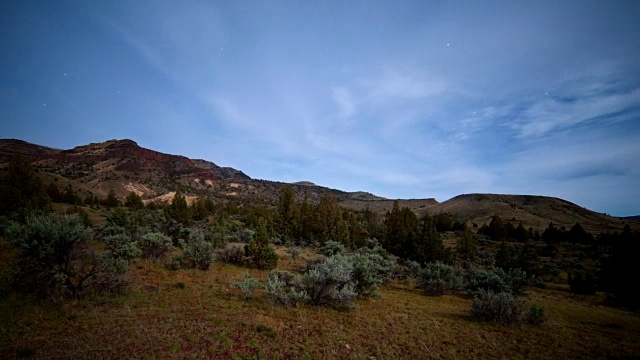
300 275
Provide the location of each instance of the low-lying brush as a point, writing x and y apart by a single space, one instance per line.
439 279
501 308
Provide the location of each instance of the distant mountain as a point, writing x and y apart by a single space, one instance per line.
634 217
532 211
124 166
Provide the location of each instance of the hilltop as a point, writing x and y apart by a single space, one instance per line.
123 166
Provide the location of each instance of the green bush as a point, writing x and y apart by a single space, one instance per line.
175 263
536 315
122 246
283 288
501 308
198 253
497 280
230 255
330 283
247 284
261 256
370 270
331 248
55 256
439 278
155 245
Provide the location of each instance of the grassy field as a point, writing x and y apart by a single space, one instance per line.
195 314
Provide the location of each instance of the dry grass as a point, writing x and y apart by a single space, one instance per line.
207 319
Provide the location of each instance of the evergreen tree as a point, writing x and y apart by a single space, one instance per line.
466 247
287 213
133 201
578 235
21 189
112 199
326 217
400 231
179 210
428 246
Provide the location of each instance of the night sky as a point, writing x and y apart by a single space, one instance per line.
404 99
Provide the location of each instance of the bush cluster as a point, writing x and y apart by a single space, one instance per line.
501 308
155 245
439 278
496 280
230 255
284 288
247 284
198 252
504 308
261 256
55 257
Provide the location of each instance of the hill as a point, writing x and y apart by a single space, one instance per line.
123 166
532 211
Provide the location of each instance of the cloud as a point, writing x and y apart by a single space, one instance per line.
344 101
559 112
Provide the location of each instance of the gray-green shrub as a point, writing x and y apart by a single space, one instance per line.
198 253
55 257
331 248
501 308
370 270
497 280
247 284
283 288
330 283
122 246
439 278
155 245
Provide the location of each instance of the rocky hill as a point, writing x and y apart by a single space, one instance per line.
124 166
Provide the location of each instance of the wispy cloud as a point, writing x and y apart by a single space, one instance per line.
557 112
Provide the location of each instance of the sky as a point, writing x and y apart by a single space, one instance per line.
403 99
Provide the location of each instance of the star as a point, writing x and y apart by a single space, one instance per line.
65 74
44 104
448 44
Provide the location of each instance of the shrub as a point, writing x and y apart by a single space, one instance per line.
230 255
261 256
247 284
55 257
197 253
283 288
331 248
536 315
497 280
330 283
370 270
154 245
501 308
295 252
175 263
122 246
581 283
439 278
